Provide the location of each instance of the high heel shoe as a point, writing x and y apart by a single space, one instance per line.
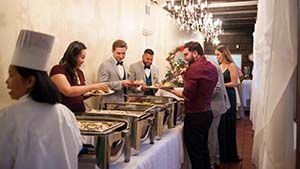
238 159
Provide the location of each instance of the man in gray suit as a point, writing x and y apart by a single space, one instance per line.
113 72
220 104
144 70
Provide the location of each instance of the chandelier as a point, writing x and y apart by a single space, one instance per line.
195 17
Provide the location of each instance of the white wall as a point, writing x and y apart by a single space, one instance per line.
97 23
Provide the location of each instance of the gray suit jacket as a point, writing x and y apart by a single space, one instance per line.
137 72
108 72
220 101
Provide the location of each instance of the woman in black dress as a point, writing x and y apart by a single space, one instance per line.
227 126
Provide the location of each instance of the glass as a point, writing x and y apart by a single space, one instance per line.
247 71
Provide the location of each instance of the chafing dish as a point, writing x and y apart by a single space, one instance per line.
166 104
140 123
160 116
112 135
179 111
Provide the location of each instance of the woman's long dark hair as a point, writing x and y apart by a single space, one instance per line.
44 90
69 59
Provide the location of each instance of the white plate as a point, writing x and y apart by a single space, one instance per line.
101 93
152 87
160 87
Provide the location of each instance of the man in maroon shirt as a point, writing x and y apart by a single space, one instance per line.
200 79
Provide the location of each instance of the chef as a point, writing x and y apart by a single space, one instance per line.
36 132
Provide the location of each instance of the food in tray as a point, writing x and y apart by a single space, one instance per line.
94 125
138 82
140 103
168 85
155 86
162 85
118 112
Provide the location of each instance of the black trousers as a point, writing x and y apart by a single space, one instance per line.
195 133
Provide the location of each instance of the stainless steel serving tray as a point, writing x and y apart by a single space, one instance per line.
140 123
151 99
117 124
118 113
113 126
117 131
167 104
160 115
130 106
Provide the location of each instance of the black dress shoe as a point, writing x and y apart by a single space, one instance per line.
238 159
216 166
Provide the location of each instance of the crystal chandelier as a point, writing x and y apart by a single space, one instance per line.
195 17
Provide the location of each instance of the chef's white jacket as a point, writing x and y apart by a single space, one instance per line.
36 135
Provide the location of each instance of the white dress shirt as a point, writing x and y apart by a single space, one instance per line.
37 135
120 69
147 72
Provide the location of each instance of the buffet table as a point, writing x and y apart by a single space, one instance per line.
166 153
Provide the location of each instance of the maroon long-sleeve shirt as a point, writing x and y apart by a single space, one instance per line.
200 80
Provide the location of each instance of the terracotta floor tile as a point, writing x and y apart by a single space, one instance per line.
244 137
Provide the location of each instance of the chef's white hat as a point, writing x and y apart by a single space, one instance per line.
32 50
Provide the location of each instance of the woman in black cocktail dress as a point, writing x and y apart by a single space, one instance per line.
227 125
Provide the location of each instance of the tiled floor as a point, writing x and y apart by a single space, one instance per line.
244 141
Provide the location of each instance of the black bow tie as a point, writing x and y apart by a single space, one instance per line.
119 63
146 67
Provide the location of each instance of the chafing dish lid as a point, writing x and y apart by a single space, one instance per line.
118 112
93 127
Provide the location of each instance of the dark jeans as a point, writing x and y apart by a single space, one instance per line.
195 132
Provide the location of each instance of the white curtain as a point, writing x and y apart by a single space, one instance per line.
273 88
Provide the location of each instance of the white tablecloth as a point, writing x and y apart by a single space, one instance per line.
166 153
